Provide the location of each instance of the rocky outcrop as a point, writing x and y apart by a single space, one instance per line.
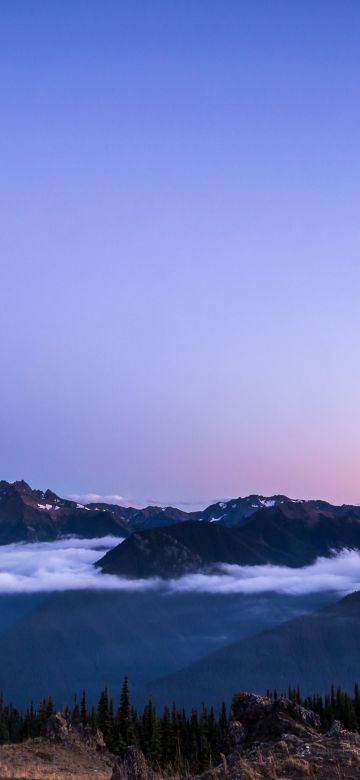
265 720
132 766
279 740
58 729
63 753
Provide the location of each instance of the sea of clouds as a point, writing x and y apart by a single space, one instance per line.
68 564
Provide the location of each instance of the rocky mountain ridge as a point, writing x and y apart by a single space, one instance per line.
28 515
288 534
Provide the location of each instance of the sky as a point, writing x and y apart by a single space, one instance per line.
179 248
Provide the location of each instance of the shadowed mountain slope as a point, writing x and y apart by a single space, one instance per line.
64 642
313 651
291 534
32 515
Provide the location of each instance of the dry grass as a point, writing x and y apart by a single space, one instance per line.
248 772
299 765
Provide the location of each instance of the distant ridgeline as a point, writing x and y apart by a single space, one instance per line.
287 534
167 542
174 739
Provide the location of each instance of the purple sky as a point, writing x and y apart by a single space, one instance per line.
180 236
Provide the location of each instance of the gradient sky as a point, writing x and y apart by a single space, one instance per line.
180 236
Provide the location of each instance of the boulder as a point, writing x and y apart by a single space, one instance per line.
132 766
235 736
57 728
264 719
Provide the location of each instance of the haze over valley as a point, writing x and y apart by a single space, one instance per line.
90 593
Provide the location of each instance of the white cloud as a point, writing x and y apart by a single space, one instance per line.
341 573
68 565
96 498
57 566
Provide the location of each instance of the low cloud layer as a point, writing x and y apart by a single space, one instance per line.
68 565
126 501
340 574
57 566
97 498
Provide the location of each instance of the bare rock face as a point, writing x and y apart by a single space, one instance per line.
236 736
132 766
279 740
248 707
337 730
56 728
91 739
264 719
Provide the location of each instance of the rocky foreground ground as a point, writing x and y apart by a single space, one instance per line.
282 741
267 740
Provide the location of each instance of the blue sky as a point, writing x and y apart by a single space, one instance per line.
179 228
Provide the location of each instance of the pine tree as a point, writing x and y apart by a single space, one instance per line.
83 709
93 719
166 738
177 737
124 725
4 730
223 717
194 741
151 735
75 715
357 703
67 713
49 707
42 715
204 745
104 720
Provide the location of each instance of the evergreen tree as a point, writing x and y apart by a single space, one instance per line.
104 720
166 738
204 745
223 718
75 715
194 742
93 719
49 707
42 715
124 721
178 736
4 729
83 709
67 713
151 735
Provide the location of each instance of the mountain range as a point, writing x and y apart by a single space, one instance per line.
286 534
187 646
36 515
249 530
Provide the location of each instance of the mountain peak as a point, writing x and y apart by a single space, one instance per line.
20 486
